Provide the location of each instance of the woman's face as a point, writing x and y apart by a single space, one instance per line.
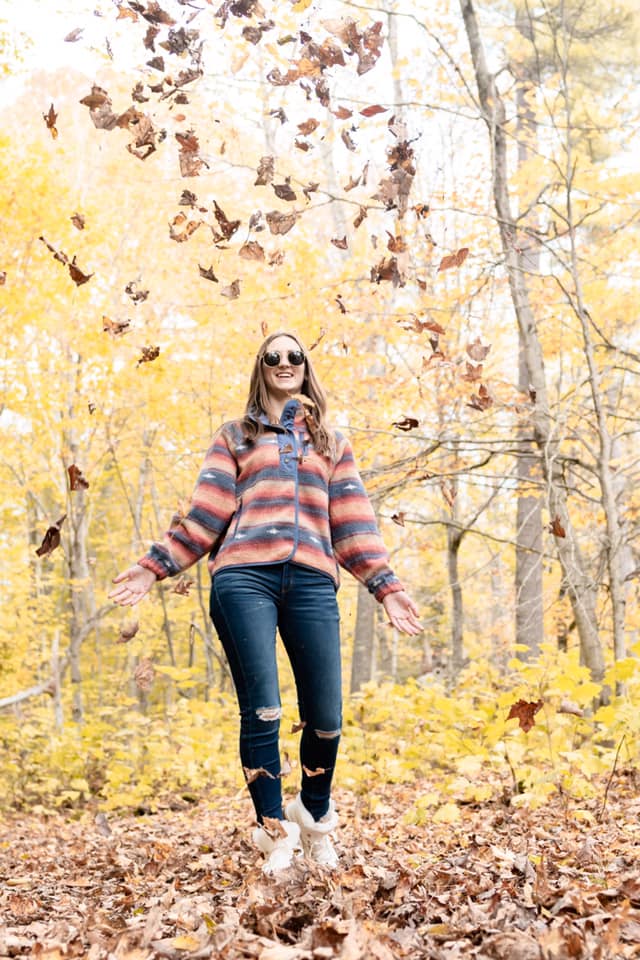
284 378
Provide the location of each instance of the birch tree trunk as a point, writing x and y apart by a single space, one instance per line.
580 588
528 575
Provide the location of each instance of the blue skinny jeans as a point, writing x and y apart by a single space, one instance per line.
248 604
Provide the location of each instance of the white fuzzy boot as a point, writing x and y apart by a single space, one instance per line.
280 845
315 834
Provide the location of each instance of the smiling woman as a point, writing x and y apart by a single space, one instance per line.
279 504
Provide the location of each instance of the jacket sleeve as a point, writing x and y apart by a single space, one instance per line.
211 508
357 542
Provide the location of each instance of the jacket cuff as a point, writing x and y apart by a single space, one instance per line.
153 564
382 584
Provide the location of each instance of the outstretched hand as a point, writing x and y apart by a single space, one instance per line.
133 584
402 612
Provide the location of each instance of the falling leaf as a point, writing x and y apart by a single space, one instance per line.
297 727
360 216
387 269
454 259
182 586
302 145
144 674
317 339
352 183
342 113
251 775
181 228
280 223
251 251
128 632
78 221
348 140
74 35
556 528
207 274
227 227
318 772
407 423
190 161
50 120
308 126
91 407
100 108
51 539
264 328
284 192
232 290
398 518
148 354
481 400
115 328
421 210
339 242
477 351
371 111
265 172
77 274
76 479
341 305
524 711
3 277
473 372
448 492
138 296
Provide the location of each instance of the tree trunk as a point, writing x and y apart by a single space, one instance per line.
528 574
579 585
363 640
454 539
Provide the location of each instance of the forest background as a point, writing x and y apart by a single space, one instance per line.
443 200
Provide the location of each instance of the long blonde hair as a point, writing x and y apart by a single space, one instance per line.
315 413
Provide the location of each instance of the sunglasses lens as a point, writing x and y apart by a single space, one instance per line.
295 358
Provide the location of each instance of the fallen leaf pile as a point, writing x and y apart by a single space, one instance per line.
501 882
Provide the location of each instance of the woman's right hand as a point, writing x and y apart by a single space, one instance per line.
133 584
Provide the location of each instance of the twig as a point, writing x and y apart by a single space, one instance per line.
606 792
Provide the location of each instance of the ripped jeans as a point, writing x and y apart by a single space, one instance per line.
247 605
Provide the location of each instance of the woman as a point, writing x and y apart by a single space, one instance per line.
278 505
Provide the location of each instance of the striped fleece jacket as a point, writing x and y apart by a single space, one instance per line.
277 500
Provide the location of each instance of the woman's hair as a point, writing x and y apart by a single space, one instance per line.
315 412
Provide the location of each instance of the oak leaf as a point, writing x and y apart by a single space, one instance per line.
251 251
207 273
148 354
115 328
50 119
280 223
407 423
454 259
77 481
128 632
51 539
524 711
556 528
232 290
144 674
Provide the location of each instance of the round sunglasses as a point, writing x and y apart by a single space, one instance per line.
272 358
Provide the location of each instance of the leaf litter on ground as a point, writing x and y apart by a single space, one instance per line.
501 882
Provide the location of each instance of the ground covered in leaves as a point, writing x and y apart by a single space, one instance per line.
561 882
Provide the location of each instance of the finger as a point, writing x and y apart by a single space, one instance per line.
121 576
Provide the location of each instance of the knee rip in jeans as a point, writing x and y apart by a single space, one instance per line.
269 714
327 734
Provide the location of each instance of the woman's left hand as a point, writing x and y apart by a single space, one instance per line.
402 612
